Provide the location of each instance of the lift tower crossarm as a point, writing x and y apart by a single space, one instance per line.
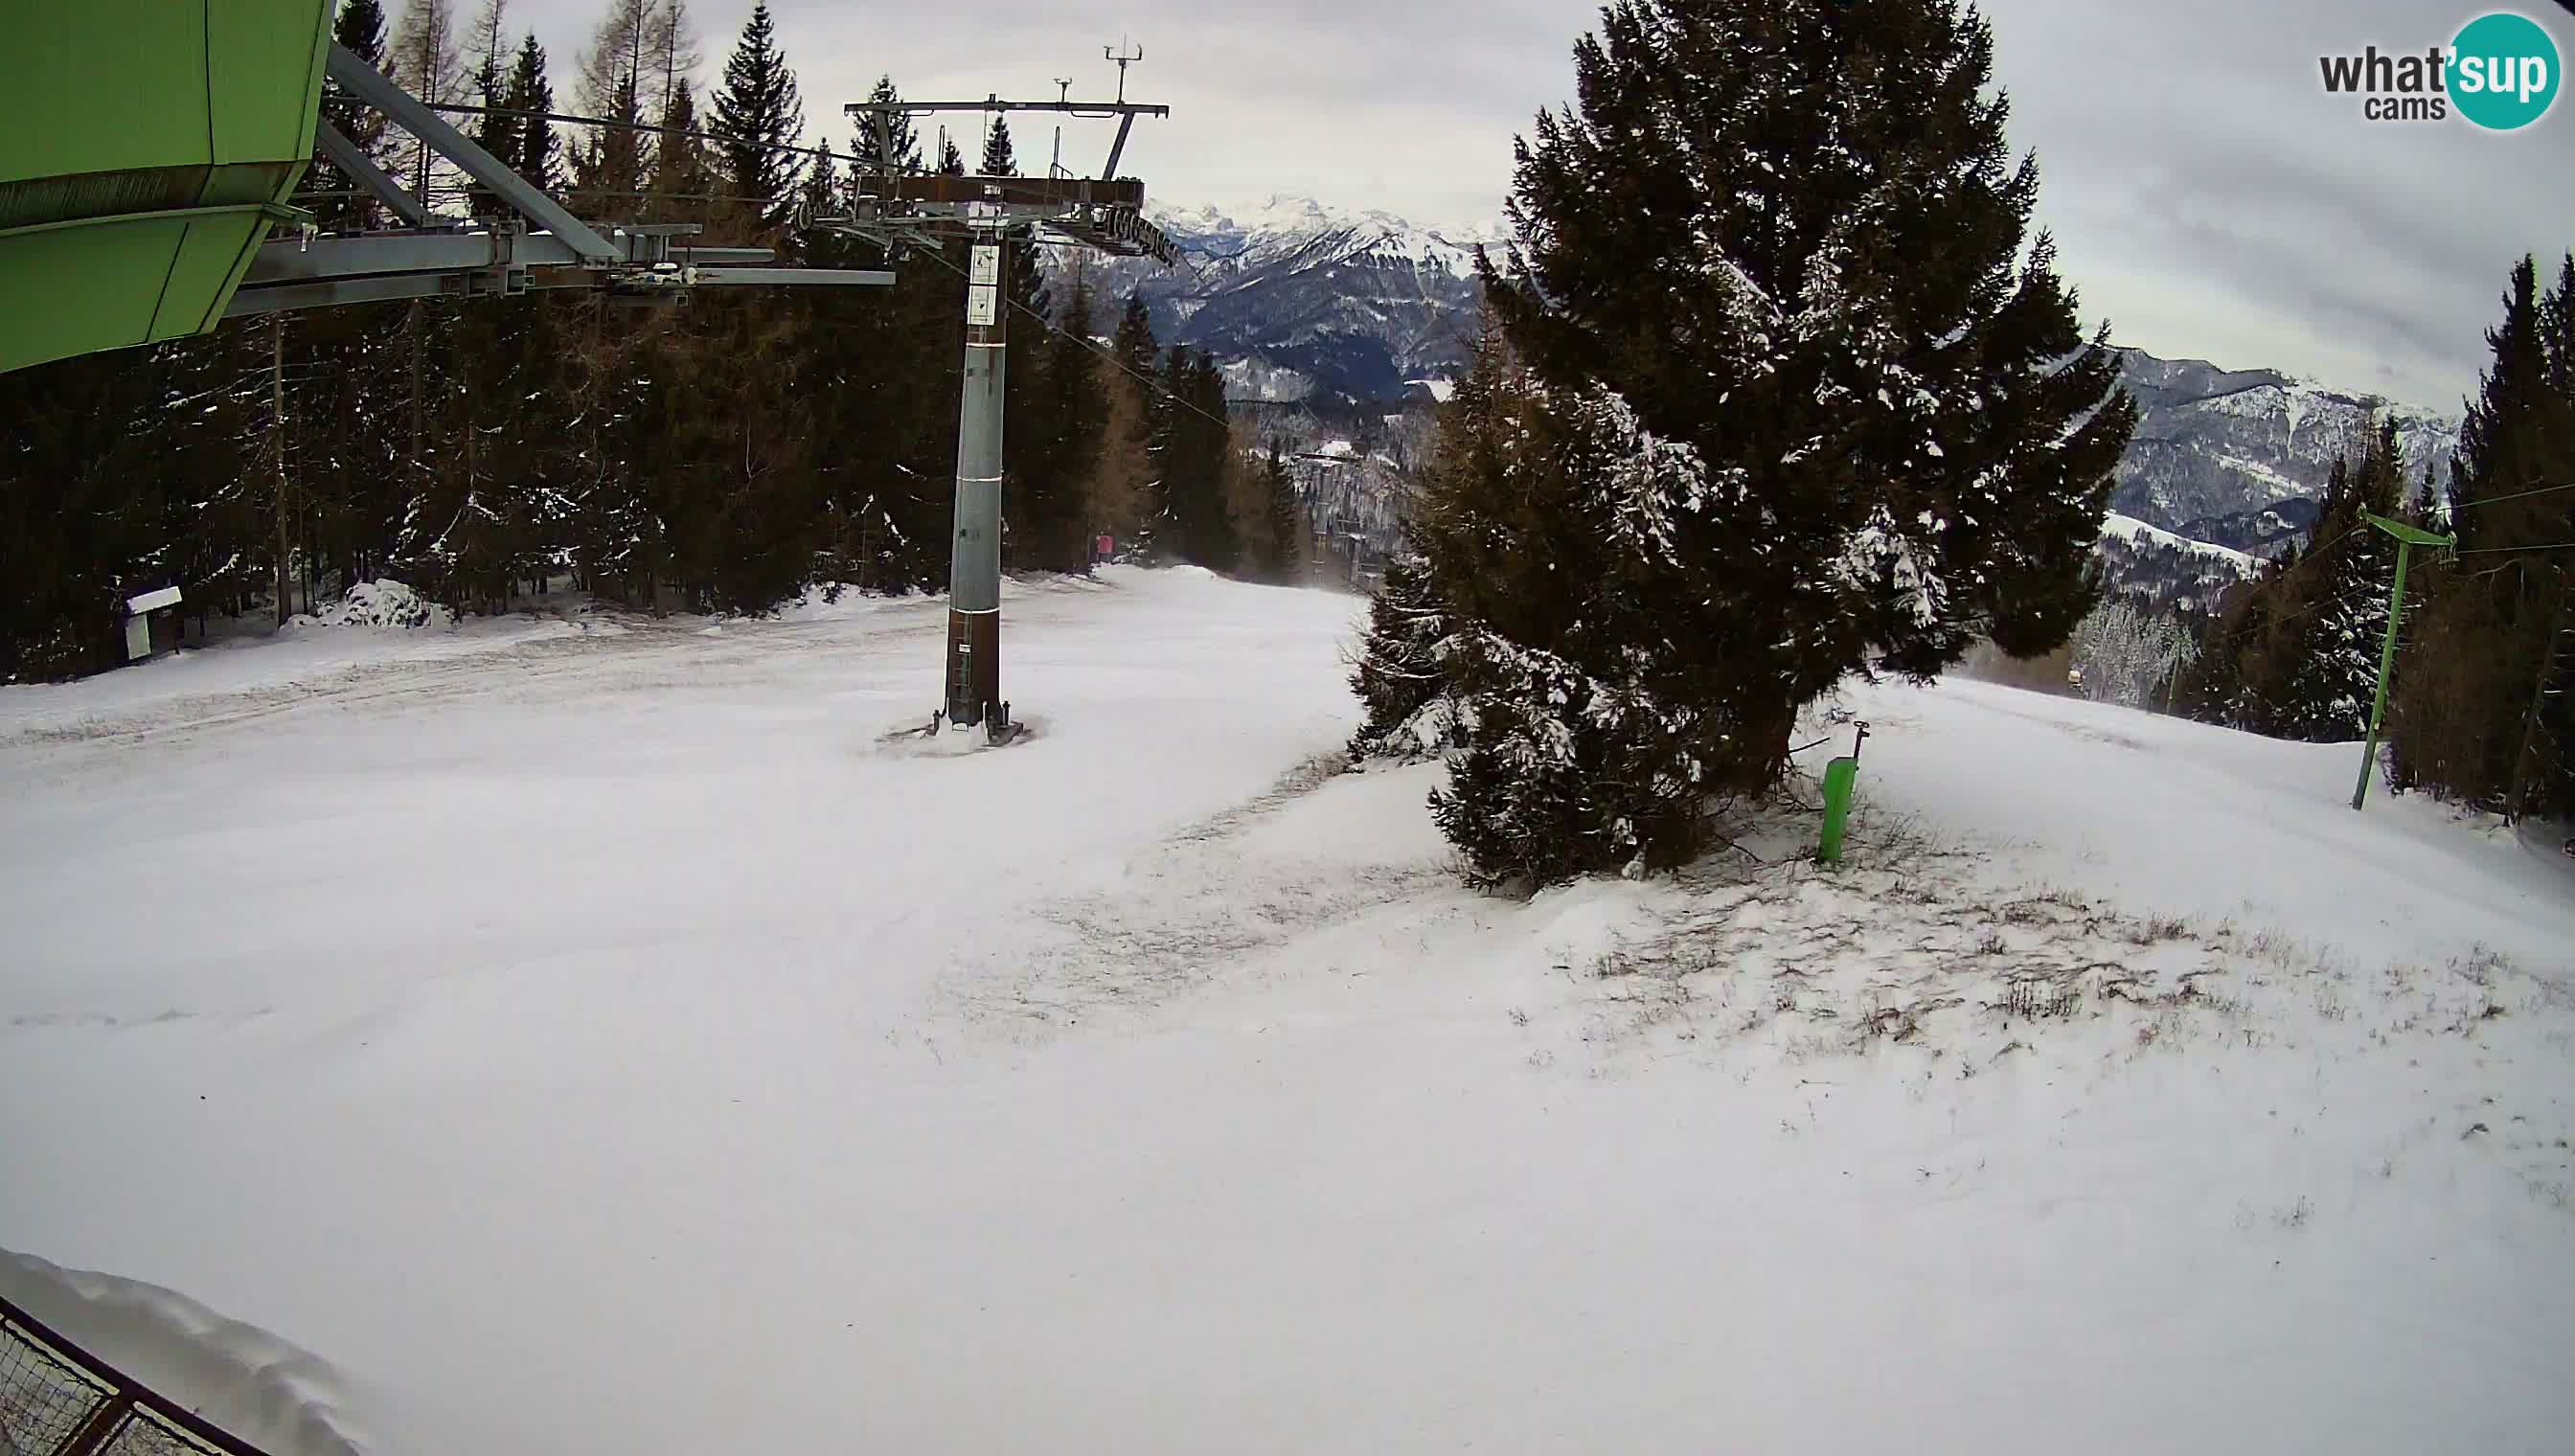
1125 111
1093 109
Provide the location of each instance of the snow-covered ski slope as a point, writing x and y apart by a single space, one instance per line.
592 1040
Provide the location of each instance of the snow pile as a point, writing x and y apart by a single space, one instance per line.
381 603
1127 1088
245 1380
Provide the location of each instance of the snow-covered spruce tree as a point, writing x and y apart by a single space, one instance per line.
1578 745
1481 459
1396 671
1825 403
2332 665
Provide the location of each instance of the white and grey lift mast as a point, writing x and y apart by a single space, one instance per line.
899 209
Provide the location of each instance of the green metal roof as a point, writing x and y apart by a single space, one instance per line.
146 147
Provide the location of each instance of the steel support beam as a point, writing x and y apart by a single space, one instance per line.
252 300
291 260
1118 148
362 169
357 255
374 88
256 297
750 277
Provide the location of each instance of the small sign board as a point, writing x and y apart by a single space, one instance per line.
987 264
983 306
152 600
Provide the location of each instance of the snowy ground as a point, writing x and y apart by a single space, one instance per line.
597 1040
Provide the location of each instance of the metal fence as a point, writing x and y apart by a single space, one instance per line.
57 1399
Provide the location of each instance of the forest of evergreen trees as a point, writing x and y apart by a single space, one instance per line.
2481 707
726 455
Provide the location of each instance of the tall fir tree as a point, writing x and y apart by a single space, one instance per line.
2331 668
999 159
682 181
1822 394
532 145
1133 343
1194 462
891 145
1397 671
759 115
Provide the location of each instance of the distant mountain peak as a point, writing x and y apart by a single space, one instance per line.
1301 299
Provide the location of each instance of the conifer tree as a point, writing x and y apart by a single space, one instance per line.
1819 390
873 155
1193 461
608 168
951 161
997 158
759 114
532 145
819 196
1284 519
682 181
2426 508
2329 672
1133 342
1397 670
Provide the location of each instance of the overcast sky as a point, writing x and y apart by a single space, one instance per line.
2209 198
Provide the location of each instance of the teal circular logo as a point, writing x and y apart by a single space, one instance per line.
2502 73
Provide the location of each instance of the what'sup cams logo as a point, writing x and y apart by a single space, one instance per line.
2500 71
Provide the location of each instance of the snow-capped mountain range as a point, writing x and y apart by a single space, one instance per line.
1302 301
2237 457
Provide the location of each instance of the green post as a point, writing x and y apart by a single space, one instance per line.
1841 775
2407 538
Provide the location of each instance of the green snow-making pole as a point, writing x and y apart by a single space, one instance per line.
2407 538
1841 775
